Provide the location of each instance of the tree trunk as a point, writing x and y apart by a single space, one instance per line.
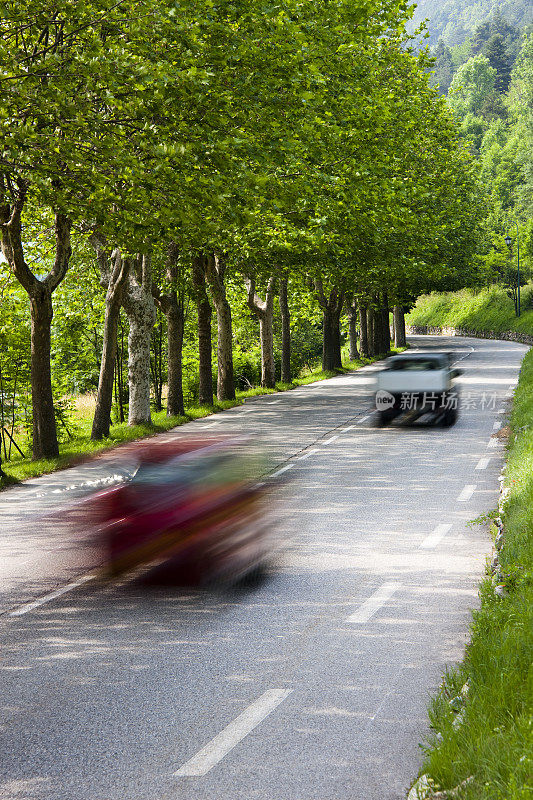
285 331
140 308
264 311
329 341
331 314
116 282
119 370
385 324
370 331
203 307
176 329
215 270
399 327
44 425
40 292
352 330
377 320
337 354
156 359
363 331
171 303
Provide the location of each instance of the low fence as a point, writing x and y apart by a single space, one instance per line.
508 336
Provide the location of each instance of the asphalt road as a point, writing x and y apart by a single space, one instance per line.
312 685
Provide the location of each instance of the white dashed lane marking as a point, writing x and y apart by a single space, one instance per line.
435 536
220 746
483 463
492 442
24 609
282 470
307 455
328 441
376 601
466 493
363 419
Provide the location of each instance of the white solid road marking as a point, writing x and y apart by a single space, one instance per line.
24 609
435 536
328 441
220 746
466 493
363 419
282 470
482 463
307 455
367 609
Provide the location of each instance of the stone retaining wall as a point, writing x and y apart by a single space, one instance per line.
508 336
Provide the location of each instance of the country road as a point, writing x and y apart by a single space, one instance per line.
312 685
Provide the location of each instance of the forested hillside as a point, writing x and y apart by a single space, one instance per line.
456 20
488 83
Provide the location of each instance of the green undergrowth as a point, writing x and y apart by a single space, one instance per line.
79 445
482 310
494 742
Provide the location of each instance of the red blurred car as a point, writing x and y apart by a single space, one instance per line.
193 509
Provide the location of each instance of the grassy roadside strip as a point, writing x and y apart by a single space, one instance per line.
484 310
482 717
80 445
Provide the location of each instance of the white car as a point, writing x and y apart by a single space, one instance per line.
415 384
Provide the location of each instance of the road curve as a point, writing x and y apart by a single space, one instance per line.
311 686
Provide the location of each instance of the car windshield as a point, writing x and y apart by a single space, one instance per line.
415 364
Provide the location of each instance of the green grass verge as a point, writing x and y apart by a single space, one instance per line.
484 310
494 743
80 445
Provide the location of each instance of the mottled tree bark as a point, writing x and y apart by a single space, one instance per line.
171 303
215 271
139 305
114 272
203 307
40 292
264 311
399 327
285 331
363 331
